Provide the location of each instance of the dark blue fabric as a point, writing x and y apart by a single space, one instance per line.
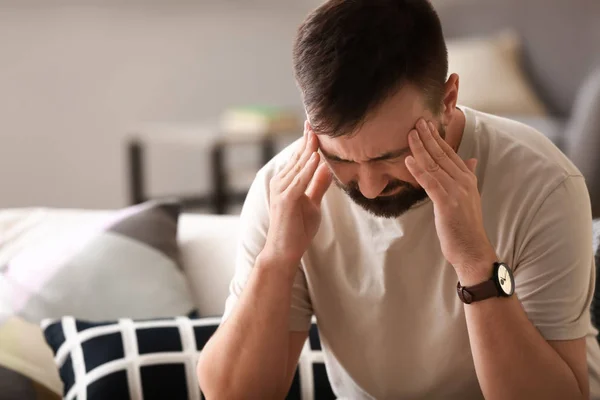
112 349
113 386
158 340
67 375
161 382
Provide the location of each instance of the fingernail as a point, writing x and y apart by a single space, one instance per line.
422 124
410 160
431 127
413 135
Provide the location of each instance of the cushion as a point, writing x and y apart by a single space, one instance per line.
109 268
209 240
22 228
153 359
491 76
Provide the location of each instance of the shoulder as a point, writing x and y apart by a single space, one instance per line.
509 141
517 162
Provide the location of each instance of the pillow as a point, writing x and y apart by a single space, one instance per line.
209 240
491 77
153 359
124 265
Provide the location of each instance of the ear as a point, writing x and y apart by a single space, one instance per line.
450 98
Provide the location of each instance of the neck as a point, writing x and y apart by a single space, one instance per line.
455 129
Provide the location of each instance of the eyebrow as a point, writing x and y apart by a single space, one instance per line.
385 156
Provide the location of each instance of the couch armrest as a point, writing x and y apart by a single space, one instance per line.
582 138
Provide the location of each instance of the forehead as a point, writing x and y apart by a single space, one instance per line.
385 130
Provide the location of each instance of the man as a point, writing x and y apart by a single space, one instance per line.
452 257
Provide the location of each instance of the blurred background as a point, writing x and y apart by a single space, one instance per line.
106 103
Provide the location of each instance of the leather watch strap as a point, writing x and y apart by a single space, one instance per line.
481 291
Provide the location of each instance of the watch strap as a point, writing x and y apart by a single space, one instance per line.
481 291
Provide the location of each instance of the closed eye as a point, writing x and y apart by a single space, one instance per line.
391 157
340 161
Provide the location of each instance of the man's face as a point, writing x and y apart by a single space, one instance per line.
369 165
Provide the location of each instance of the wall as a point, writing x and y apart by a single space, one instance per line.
75 80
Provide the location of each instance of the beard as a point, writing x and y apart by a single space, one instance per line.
391 206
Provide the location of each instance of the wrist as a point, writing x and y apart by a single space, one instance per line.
277 264
476 272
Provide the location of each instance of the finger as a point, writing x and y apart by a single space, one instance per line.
427 163
471 164
300 182
448 149
434 189
436 152
298 153
309 150
319 184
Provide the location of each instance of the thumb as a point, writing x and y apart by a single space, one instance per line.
320 183
471 164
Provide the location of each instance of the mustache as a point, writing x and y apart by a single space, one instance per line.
353 188
386 205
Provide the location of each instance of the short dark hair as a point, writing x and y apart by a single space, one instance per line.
351 55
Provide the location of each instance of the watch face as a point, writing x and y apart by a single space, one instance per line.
505 279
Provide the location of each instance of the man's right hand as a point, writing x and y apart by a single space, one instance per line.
295 202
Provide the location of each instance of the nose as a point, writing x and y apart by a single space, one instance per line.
370 182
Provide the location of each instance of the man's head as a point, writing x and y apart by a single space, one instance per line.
368 70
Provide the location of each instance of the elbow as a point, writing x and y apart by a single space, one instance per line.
211 386
217 384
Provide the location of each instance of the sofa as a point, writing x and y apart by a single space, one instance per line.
560 56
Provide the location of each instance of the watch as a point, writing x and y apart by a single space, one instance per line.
501 284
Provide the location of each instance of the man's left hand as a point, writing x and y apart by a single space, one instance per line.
451 184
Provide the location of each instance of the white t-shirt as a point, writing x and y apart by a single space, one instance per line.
390 321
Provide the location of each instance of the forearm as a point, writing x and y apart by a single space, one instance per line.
512 359
247 356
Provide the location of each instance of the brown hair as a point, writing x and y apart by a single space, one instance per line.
351 55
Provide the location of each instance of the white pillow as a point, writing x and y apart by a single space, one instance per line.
208 245
126 264
491 77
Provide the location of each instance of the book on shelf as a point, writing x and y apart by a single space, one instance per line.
260 120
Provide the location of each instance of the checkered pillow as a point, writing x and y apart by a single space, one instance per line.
153 359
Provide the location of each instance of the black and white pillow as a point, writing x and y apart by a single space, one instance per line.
153 359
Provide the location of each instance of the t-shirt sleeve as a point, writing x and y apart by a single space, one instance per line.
554 271
254 224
